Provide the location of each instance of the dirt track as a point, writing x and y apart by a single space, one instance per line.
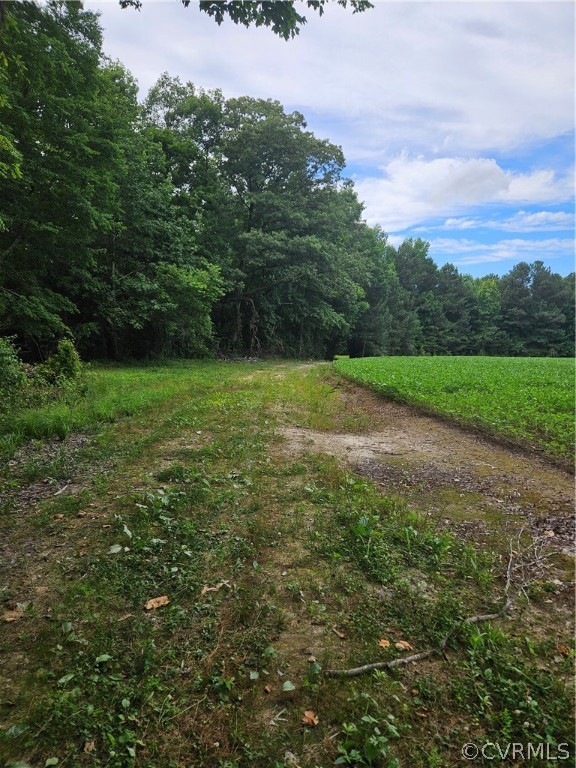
467 482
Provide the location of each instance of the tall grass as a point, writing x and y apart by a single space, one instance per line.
103 395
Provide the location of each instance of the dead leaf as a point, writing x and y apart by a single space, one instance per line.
126 616
402 645
549 534
384 643
564 650
12 615
89 746
267 689
216 588
310 718
156 602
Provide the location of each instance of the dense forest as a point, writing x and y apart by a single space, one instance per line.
192 224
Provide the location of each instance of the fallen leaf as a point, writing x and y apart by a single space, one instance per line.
267 689
384 643
126 616
311 659
549 534
156 602
310 718
214 589
402 645
89 746
564 650
59 516
12 615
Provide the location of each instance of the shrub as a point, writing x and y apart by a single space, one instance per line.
12 373
63 365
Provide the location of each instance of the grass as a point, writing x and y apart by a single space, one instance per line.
529 400
276 568
104 394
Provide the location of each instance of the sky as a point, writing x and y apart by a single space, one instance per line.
456 118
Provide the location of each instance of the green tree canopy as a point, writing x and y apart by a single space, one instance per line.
280 15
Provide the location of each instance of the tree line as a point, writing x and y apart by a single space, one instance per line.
192 224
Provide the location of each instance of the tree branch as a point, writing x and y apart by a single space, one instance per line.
516 562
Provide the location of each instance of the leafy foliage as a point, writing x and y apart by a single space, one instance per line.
280 15
63 365
12 373
195 224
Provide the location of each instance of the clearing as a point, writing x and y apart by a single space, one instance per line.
293 523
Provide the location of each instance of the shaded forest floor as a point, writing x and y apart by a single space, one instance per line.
292 523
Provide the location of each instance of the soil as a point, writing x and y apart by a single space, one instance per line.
465 481
486 493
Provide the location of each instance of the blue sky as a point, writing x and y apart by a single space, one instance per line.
456 118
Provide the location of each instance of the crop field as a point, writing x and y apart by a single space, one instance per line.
528 400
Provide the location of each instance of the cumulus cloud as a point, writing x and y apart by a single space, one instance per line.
412 190
444 110
443 77
521 221
464 252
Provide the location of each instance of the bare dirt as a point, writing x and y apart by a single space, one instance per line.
465 481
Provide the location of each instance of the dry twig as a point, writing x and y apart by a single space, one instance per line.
519 573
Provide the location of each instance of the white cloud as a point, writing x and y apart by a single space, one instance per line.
413 190
521 221
462 252
446 77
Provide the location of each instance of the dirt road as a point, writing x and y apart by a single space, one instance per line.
466 481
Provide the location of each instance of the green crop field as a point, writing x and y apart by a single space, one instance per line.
529 400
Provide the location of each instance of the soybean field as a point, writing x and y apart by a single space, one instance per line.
526 400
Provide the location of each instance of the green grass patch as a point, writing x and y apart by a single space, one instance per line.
529 400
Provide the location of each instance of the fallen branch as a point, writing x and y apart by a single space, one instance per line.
516 563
